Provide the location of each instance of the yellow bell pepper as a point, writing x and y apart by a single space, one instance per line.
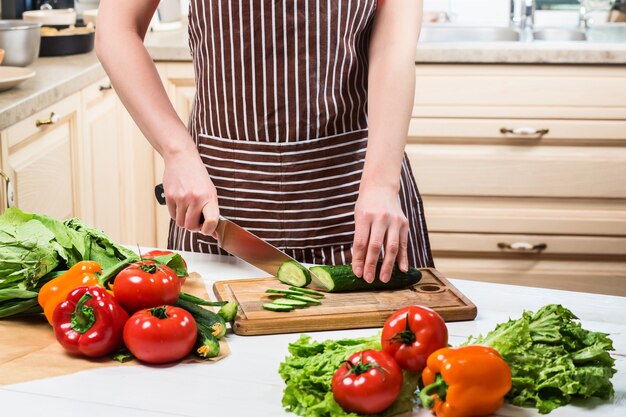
54 292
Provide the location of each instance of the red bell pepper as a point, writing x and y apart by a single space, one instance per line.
90 322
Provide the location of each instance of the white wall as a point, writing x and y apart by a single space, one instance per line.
473 12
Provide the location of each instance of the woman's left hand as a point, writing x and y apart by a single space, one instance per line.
379 222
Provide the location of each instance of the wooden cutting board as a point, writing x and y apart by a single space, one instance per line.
340 311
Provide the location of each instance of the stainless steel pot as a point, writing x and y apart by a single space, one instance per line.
20 41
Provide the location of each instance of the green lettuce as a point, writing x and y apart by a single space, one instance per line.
35 248
552 358
309 370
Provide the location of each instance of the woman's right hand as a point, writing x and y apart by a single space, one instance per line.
190 192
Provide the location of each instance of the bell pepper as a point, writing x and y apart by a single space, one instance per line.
466 381
90 322
84 273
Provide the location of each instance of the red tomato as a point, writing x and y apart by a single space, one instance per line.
411 334
158 252
146 284
160 334
367 383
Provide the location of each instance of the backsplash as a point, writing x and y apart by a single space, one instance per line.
474 12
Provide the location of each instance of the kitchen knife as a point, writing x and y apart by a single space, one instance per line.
237 241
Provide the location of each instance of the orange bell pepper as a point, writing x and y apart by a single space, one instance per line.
466 381
54 292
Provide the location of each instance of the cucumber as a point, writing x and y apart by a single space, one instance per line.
292 273
290 302
205 317
308 292
339 278
304 298
282 293
277 307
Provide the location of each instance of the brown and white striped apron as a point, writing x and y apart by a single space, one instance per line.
280 121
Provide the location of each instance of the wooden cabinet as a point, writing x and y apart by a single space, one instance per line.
523 173
41 156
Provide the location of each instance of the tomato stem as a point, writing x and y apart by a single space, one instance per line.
361 368
406 337
149 268
159 312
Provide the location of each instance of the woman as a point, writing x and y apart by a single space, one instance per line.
300 120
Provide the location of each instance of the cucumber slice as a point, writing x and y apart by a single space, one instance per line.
292 273
282 293
277 307
308 292
290 302
323 278
306 299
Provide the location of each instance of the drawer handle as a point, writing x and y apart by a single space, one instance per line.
524 131
523 247
109 86
8 188
49 121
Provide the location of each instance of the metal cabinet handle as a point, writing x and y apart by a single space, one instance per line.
109 86
522 247
8 187
49 121
524 131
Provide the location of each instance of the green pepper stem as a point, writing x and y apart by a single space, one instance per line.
83 317
439 387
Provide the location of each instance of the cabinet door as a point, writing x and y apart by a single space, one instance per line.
100 177
180 86
40 155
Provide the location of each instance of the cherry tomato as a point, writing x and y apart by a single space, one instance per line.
158 252
146 284
367 383
160 334
411 334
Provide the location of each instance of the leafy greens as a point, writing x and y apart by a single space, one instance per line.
552 358
35 248
309 370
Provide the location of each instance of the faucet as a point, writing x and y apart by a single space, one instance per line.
584 14
522 17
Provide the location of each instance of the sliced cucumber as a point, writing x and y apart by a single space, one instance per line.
306 299
292 273
282 293
277 307
308 292
290 302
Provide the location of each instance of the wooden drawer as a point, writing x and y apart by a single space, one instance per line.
588 92
513 171
573 274
518 131
533 246
525 215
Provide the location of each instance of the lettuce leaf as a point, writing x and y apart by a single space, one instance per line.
309 370
552 358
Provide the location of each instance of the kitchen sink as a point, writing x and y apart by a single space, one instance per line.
559 35
468 34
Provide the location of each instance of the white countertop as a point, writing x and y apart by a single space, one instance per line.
247 382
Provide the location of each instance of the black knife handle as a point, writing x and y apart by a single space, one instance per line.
159 193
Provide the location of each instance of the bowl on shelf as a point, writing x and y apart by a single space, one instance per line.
51 17
20 41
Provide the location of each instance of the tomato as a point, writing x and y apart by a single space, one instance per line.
158 252
411 334
160 334
367 383
146 284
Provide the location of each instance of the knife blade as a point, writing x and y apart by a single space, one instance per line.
243 244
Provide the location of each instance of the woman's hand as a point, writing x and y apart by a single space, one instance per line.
189 191
379 222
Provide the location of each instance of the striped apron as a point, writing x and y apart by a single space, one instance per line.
280 121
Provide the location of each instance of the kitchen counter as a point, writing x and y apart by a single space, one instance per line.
247 382
59 77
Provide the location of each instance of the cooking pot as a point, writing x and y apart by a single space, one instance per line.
20 41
